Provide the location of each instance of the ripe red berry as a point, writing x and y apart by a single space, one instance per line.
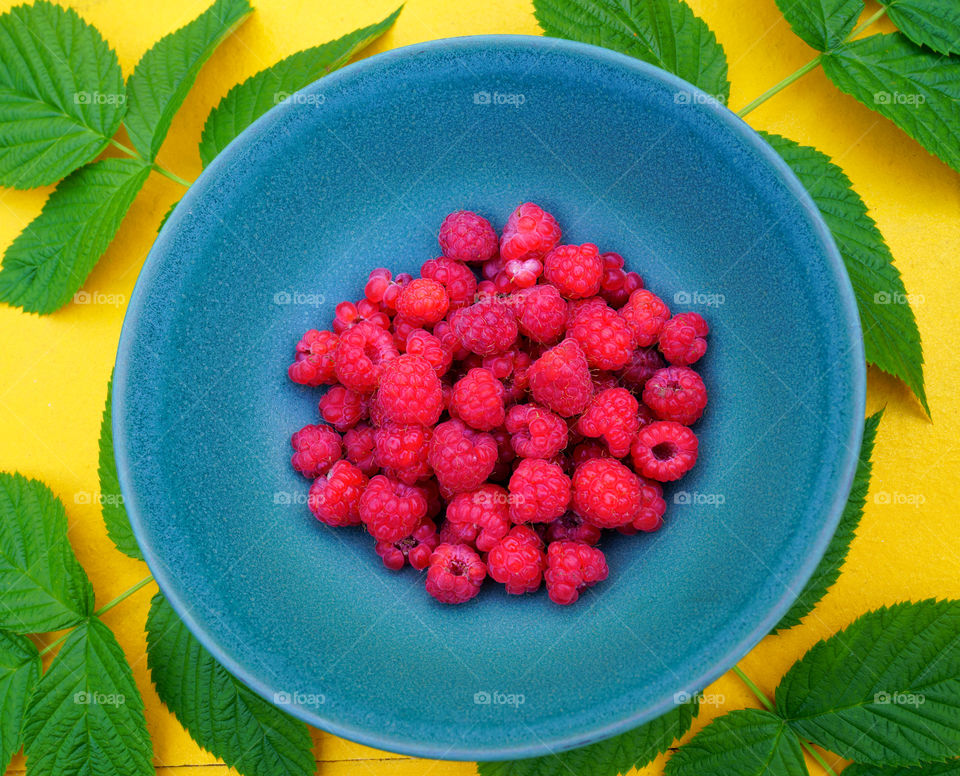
423 302
335 496
402 451
343 408
315 450
414 549
606 493
485 328
576 270
481 516
539 491
676 393
682 338
314 359
391 509
541 313
421 342
664 451
359 444
644 362
410 392
612 416
518 560
361 356
560 379
455 574
456 278
461 457
536 432
571 568
465 236
645 313
530 233
477 399
605 338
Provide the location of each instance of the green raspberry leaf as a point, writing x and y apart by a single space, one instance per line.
166 72
86 716
828 570
43 587
885 690
221 714
111 499
612 756
19 673
61 94
249 100
917 89
931 23
51 258
748 742
665 33
821 24
890 335
949 768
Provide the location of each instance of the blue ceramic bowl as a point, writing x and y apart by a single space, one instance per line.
356 172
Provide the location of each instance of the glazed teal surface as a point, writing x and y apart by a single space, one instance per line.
356 172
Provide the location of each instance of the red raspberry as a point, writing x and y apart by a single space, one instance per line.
481 515
530 233
335 497
457 533
402 451
612 415
423 301
605 338
542 314
664 451
384 289
505 455
652 507
576 270
461 457
390 509
410 392
521 273
537 432
518 560
570 527
415 548
485 328
347 315
644 362
421 342
560 379
455 276
465 236
456 573
477 399
539 491
444 332
343 408
586 451
572 567
489 270
606 493
361 356
512 370
604 381
360 444
646 313
676 393
314 359
315 450
682 338
617 285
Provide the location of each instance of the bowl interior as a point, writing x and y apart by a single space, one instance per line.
357 172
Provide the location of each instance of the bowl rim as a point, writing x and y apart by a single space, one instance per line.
724 662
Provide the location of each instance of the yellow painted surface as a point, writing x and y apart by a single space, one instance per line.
54 370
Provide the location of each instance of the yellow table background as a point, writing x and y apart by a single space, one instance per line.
54 370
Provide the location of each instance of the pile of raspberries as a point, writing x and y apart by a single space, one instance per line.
494 415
